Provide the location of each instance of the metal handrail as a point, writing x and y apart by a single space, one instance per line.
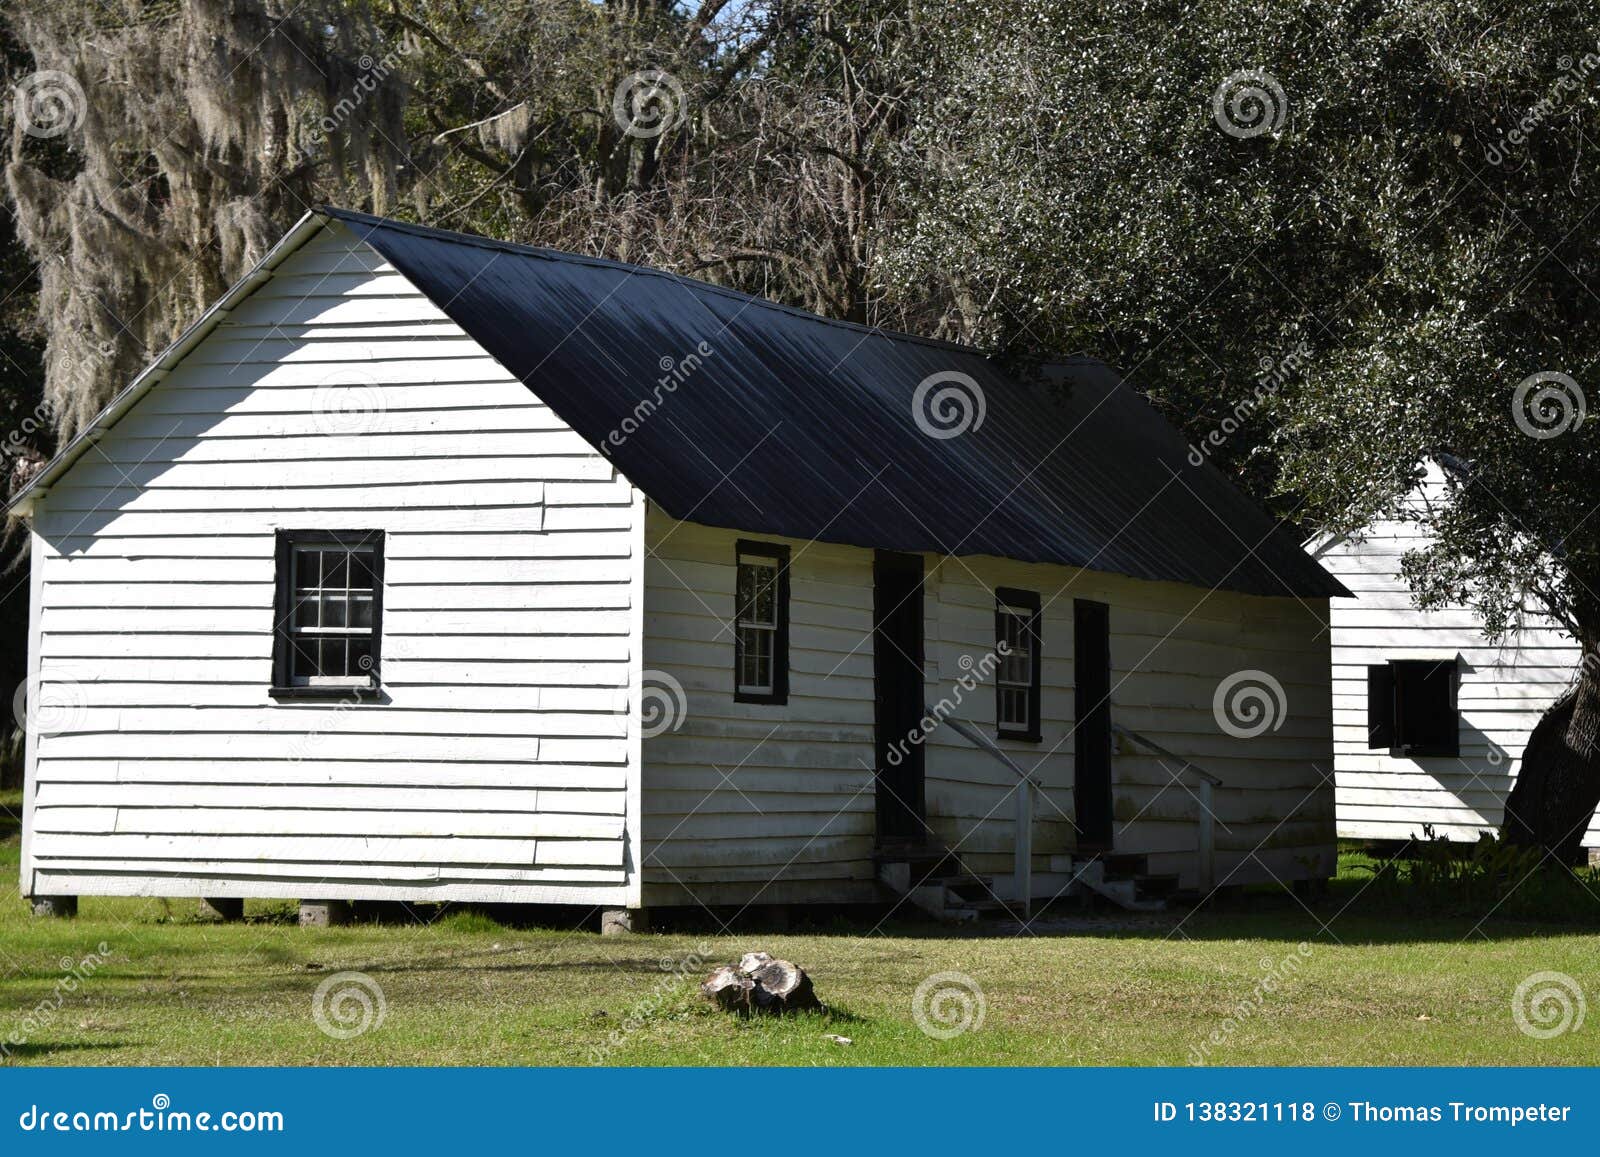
1023 850
1188 764
1207 820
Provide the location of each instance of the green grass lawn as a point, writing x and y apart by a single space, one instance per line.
1373 989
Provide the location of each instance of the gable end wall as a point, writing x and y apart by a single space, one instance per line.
502 765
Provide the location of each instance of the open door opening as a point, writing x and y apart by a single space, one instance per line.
1091 732
897 651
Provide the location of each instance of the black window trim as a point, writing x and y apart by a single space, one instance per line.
1383 717
283 608
1017 598
779 694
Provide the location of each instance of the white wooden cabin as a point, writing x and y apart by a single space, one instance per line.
430 568
1486 697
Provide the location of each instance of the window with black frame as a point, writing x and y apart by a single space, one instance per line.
761 627
329 613
1017 674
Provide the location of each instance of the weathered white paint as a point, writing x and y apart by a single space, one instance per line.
1504 688
503 765
748 803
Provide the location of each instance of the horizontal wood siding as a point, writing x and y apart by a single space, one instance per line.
498 768
1504 688
751 803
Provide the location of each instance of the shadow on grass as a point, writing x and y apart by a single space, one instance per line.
32 1050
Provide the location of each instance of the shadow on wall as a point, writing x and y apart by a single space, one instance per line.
1478 779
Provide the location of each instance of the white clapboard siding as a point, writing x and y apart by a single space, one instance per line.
1505 687
498 767
748 803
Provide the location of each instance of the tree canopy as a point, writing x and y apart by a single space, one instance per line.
1330 240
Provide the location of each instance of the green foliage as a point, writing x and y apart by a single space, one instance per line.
468 922
1070 172
1435 877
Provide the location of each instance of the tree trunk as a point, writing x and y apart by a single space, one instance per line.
1558 787
758 983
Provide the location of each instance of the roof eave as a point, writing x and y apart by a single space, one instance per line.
21 504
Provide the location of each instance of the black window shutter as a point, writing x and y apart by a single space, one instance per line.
1380 706
1438 723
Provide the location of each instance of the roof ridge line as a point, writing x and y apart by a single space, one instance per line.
545 253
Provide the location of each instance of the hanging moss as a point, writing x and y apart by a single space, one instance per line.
197 132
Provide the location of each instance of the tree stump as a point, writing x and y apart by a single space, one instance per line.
759 983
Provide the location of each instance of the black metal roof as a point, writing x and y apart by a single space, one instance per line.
737 412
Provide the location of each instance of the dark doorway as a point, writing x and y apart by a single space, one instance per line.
1091 633
898 694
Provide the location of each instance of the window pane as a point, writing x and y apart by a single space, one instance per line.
333 610
361 611
307 566
306 658
766 604
361 570
755 667
758 593
360 651
305 611
745 595
335 568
